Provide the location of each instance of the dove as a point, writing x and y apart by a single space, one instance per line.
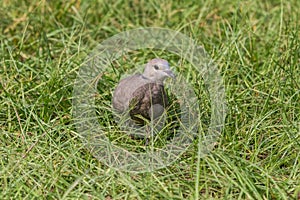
142 97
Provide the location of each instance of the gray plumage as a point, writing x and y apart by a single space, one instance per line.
142 96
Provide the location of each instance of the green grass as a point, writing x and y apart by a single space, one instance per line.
256 45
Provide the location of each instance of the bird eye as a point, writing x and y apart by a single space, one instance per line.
156 67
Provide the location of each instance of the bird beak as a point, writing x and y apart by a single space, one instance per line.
170 73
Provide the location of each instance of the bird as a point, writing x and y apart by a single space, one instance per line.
142 98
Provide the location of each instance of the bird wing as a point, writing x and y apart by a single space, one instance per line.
124 91
148 102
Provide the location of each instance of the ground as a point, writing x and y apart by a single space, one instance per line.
256 46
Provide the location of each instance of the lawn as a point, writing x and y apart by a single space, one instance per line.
255 46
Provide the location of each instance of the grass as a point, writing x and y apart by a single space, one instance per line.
256 45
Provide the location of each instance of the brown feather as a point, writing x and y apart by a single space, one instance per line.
143 98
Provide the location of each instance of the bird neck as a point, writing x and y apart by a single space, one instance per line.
153 79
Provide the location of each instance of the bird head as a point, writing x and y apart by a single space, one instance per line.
158 70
